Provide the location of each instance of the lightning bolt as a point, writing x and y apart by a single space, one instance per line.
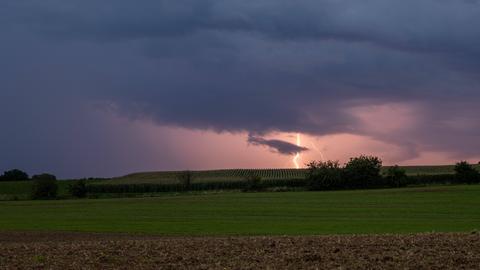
318 151
297 156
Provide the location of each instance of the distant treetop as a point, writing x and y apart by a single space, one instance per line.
14 175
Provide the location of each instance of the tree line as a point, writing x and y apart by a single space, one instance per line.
363 172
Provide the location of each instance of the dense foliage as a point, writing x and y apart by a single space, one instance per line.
326 175
363 172
465 173
44 186
396 177
14 175
78 188
359 172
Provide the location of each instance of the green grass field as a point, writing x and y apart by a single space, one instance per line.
169 177
408 210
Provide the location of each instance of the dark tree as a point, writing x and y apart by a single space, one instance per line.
78 188
363 172
44 186
465 173
324 175
14 175
396 177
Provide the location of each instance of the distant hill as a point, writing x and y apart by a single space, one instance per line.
240 174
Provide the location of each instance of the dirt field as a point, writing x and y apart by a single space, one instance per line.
107 251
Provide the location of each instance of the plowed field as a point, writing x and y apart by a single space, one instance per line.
115 251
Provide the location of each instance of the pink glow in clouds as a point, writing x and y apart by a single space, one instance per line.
387 125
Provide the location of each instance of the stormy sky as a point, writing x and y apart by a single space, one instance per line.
102 88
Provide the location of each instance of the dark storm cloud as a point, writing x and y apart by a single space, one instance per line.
427 26
255 66
279 146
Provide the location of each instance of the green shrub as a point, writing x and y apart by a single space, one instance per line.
363 172
324 175
14 175
44 186
396 177
78 189
465 173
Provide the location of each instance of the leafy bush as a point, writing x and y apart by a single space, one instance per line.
324 175
14 175
363 172
396 177
44 186
465 173
78 189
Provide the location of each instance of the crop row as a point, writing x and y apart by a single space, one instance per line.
224 185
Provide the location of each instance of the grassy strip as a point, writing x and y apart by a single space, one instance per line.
406 210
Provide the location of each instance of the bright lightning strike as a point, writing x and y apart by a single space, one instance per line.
297 156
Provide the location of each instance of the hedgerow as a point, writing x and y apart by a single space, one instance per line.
362 172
